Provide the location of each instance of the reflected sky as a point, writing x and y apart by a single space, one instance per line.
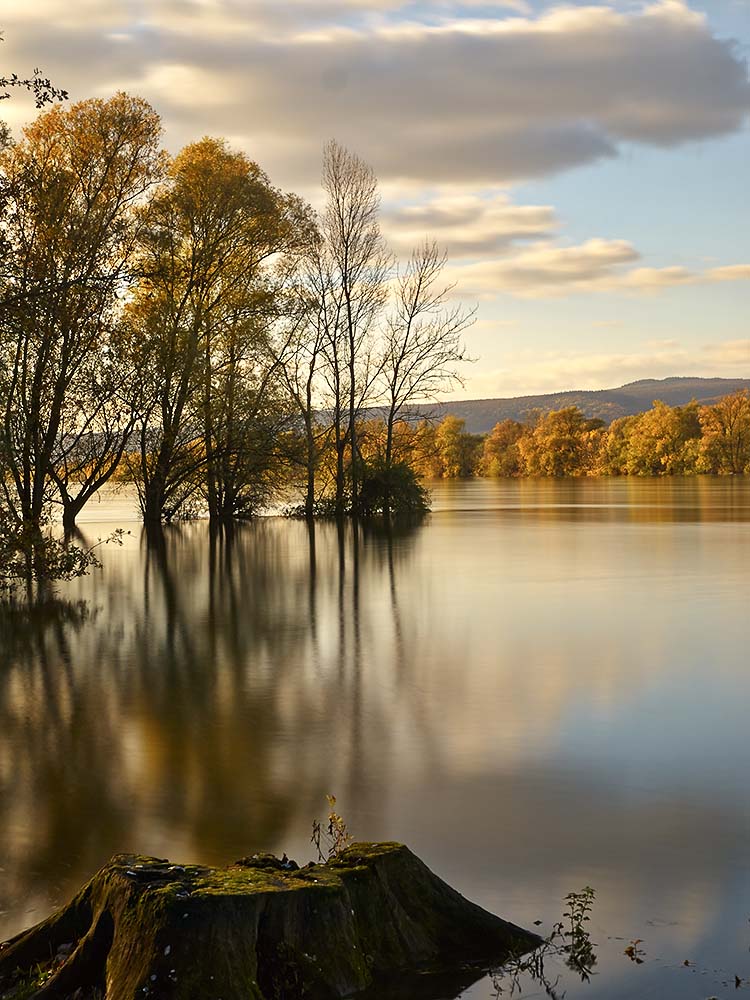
544 686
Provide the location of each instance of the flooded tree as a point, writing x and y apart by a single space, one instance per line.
69 191
195 318
304 360
422 349
356 264
177 323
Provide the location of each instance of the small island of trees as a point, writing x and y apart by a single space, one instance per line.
183 325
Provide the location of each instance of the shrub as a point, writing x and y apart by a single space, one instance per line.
394 490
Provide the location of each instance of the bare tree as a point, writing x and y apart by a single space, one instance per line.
423 345
357 265
303 360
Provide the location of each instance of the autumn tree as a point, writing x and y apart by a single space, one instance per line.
204 299
457 450
500 452
664 440
424 457
725 427
613 453
562 443
70 188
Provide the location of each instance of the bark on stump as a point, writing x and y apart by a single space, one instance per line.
143 929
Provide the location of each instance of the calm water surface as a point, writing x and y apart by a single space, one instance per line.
545 686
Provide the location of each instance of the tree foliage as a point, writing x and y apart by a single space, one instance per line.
562 443
200 318
725 435
68 193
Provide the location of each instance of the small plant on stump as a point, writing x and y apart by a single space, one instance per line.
331 839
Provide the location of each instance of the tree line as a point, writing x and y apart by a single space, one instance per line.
665 440
181 323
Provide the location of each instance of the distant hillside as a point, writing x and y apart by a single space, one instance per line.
481 415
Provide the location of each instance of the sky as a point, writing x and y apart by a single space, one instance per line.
584 165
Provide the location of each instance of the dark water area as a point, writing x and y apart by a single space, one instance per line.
546 685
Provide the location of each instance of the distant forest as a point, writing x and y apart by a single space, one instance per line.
664 440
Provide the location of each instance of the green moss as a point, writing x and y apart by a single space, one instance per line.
262 930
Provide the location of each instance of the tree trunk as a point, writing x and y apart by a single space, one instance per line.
388 464
354 473
310 490
208 435
340 479
71 509
153 504
258 930
354 469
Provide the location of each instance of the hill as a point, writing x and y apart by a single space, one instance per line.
481 415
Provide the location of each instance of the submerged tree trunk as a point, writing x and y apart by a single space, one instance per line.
340 475
311 460
153 506
72 507
258 930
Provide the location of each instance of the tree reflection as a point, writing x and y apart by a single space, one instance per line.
196 707
26 629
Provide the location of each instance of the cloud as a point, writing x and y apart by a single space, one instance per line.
546 270
733 272
527 373
496 246
483 100
731 352
653 279
468 224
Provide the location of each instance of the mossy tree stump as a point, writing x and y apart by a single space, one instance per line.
261 929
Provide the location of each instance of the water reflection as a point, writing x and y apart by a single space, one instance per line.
624 499
171 717
27 629
544 686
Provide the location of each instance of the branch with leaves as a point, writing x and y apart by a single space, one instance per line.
44 91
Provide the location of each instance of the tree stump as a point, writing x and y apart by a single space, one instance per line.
261 929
